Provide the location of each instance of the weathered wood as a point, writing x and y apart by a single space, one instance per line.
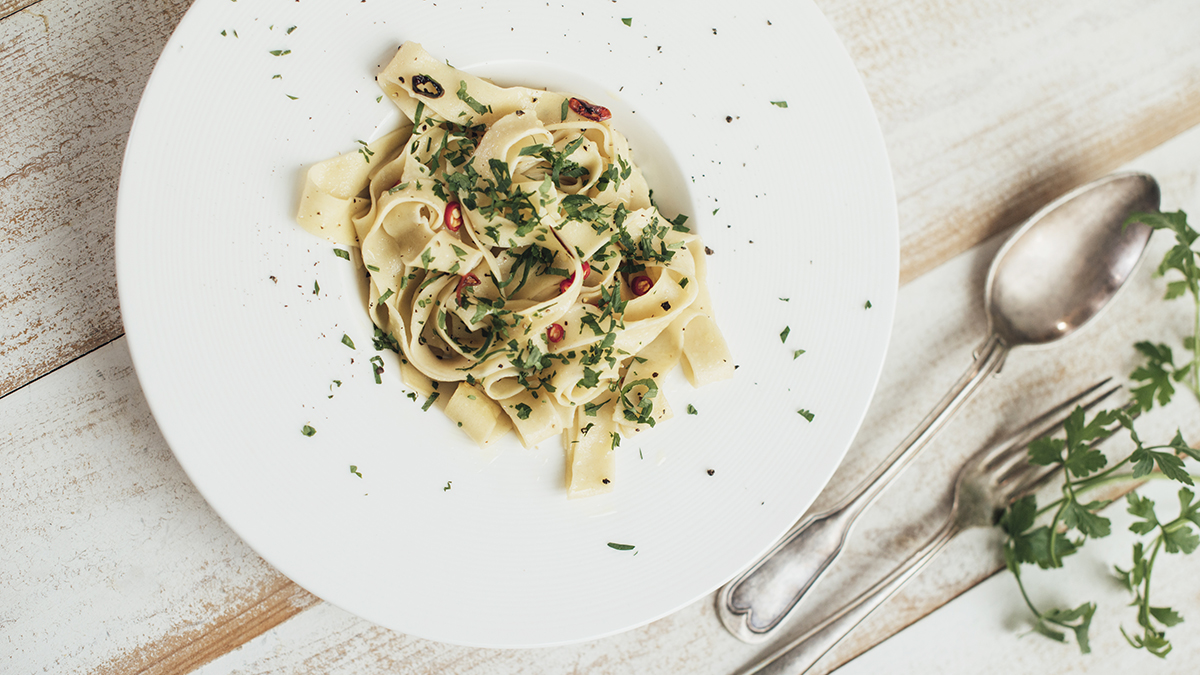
8 7
113 563
70 79
992 109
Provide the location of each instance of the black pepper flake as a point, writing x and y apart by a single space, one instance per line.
666 306
604 480
708 251
711 471
729 118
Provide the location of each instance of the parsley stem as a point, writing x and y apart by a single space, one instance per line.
1196 344
1146 581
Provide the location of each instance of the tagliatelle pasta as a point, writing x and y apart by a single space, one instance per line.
518 265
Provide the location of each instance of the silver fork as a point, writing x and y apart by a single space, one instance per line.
991 479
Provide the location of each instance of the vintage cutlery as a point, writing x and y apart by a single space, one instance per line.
1052 275
990 480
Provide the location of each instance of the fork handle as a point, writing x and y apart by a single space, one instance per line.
755 602
800 654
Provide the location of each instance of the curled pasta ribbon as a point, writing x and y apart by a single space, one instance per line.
516 261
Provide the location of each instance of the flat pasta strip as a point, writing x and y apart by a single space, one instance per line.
516 262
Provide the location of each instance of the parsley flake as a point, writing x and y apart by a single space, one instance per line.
341 253
307 430
354 470
783 336
691 409
628 21
316 288
806 414
347 341
781 104
429 401
796 354
280 52
621 547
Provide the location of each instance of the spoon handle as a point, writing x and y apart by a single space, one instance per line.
756 602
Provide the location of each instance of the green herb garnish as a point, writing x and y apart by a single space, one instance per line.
341 253
628 21
429 401
621 547
781 104
347 341
806 414
783 336
307 430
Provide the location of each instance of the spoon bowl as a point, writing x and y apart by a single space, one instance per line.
1062 266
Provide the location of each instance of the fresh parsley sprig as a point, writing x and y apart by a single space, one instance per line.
1086 468
1160 371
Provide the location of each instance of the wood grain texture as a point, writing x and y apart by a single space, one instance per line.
992 108
113 563
70 79
8 7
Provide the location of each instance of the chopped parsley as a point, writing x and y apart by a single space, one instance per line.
342 253
783 336
278 52
316 288
365 151
354 470
806 414
868 305
447 486
691 409
781 104
523 411
628 21
307 430
621 547
289 31
347 341
429 401
796 354
479 108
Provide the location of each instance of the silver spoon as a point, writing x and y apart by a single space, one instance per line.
1054 274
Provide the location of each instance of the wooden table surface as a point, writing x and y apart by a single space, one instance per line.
111 562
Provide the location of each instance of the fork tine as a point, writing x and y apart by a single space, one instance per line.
1045 424
1006 466
1031 478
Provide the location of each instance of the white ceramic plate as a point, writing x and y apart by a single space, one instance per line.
236 353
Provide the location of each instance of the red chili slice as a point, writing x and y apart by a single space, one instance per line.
641 285
464 281
596 113
555 332
452 218
566 283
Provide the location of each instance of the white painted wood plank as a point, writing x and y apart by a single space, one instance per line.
990 108
939 321
111 558
71 75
